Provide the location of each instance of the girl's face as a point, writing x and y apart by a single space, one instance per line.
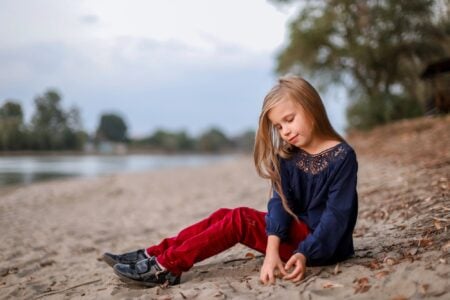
292 123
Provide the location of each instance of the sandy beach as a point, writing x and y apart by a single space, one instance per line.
53 234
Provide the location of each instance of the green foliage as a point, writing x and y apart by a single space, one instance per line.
377 48
112 128
171 141
213 140
245 141
51 127
369 112
12 132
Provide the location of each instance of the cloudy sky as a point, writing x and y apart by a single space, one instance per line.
160 64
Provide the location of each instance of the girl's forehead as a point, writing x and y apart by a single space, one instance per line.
283 107
284 104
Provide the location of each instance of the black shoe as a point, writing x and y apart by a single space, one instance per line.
126 258
146 272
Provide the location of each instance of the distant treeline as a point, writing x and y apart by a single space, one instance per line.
212 140
52 128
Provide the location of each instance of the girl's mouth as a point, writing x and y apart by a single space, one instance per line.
291 140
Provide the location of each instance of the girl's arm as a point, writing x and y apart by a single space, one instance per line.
272 261
278 220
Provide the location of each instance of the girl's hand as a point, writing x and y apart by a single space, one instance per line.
271 266
298 262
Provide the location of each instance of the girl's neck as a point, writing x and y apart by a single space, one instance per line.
320 144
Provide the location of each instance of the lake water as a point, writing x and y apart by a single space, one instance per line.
27 169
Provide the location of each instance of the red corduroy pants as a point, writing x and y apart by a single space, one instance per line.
218 232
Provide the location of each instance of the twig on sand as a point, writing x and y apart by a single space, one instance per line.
307 280
242 259
67 289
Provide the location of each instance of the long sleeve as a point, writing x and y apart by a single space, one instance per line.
339 217
277 219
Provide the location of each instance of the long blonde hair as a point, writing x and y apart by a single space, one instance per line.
268 143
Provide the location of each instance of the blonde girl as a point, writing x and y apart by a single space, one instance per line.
311 212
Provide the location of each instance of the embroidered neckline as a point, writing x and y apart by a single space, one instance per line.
323 151
316 163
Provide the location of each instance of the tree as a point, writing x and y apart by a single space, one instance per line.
112 128
51 127
244 141
377 48
12 136
213 140
171 141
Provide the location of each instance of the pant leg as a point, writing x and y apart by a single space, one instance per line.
218 237
241 225
187 233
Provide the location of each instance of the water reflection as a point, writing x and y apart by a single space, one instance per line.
28 169
26 178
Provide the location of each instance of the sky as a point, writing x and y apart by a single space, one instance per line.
175 65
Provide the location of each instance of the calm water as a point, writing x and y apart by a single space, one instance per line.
28 169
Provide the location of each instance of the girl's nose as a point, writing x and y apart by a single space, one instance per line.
286 131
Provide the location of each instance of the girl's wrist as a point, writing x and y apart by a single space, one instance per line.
273 243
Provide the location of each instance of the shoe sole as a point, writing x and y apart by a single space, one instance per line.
136 282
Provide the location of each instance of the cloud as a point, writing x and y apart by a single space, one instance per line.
171 64
89 19
154 83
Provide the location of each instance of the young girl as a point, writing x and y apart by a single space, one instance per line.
311 214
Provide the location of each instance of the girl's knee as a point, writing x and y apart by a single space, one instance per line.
247 215
221 212
247 212
239 215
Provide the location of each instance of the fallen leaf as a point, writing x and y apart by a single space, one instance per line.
374 265
336 270
438 225
399 297
425 242
423 288
361 285
218 294
329 285
381 274
446 247
390 261
412 251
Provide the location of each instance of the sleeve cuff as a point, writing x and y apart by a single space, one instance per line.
273 228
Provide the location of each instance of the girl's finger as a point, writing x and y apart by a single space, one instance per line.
290 263
294 273
264 278
282 270
261 278
299 277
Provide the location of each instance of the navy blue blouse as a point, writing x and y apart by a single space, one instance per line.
321 191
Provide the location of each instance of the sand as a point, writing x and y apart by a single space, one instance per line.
53 234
